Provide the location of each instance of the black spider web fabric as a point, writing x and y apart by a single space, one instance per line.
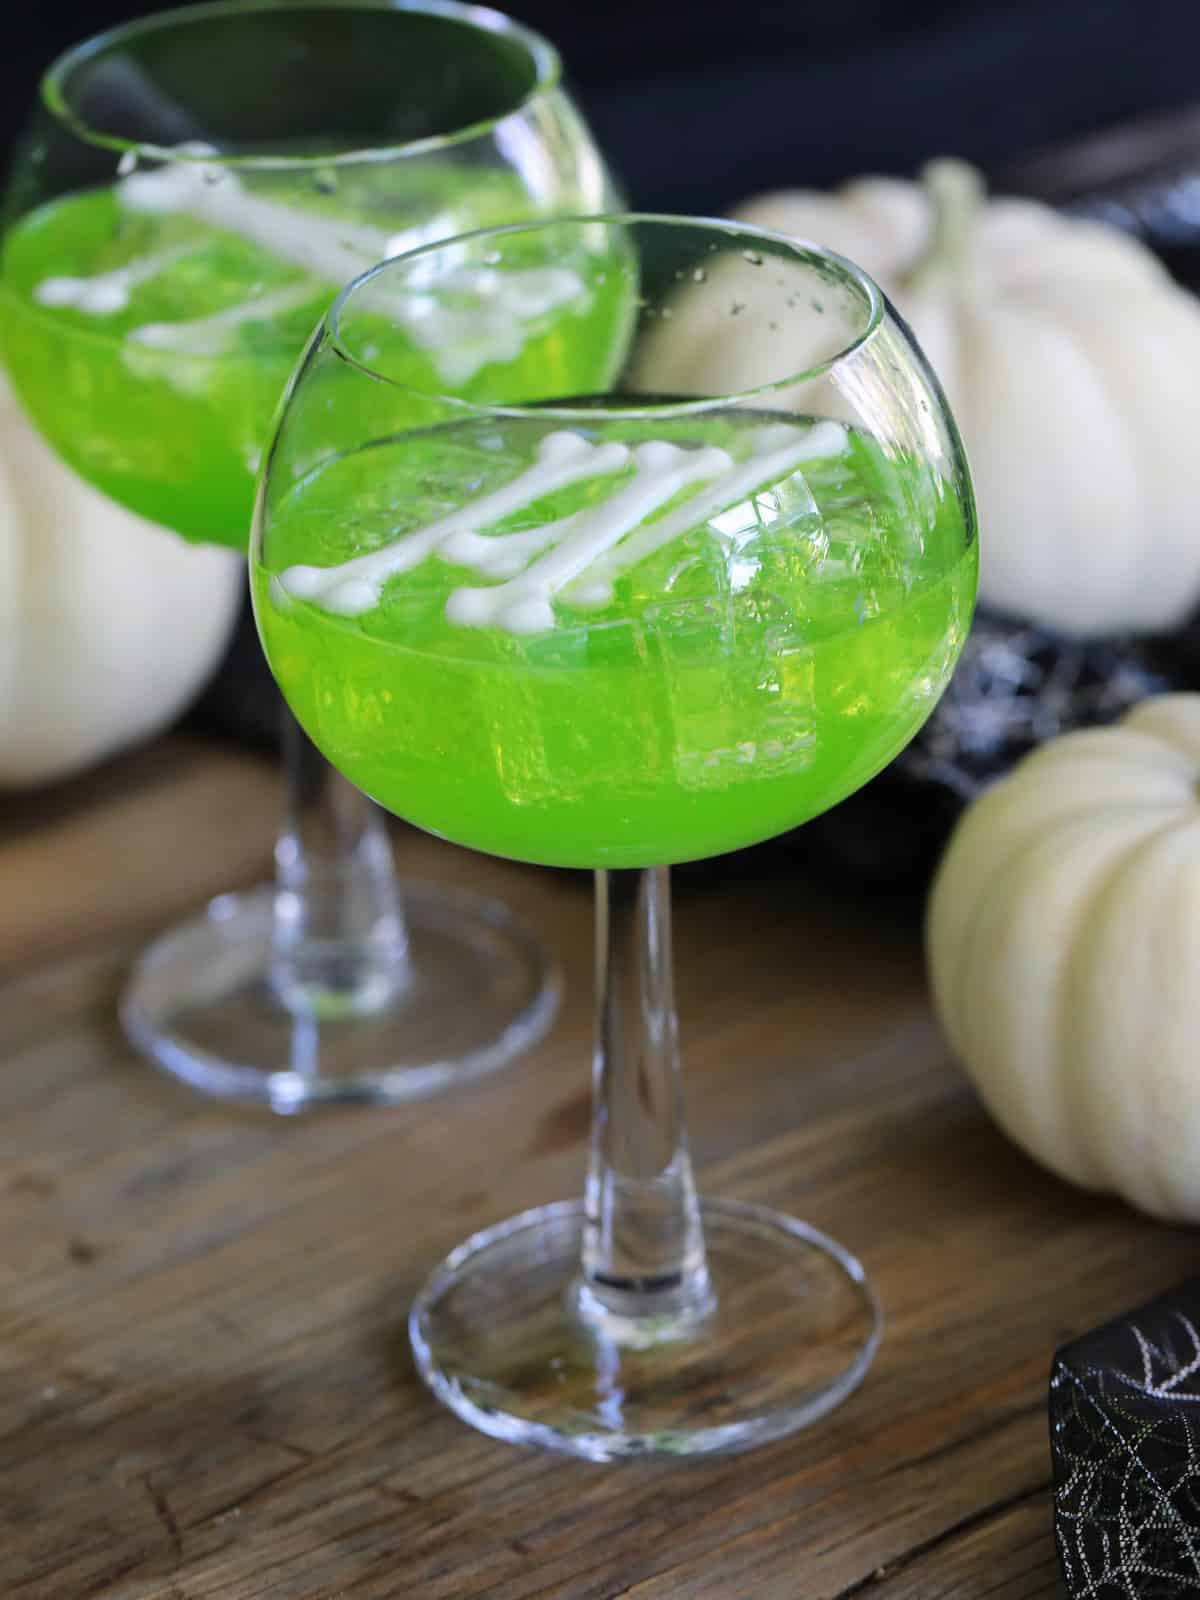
1125 1437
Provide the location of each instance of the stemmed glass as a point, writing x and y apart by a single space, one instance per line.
621 627
194 189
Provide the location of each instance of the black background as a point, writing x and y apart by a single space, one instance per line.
697 105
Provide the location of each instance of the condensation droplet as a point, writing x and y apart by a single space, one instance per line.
699 275
493 258
753 257
325 180
127 164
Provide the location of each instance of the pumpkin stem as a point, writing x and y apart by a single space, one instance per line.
956 194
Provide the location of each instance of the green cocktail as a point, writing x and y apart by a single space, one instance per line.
192 191
150 326
680 614
746 619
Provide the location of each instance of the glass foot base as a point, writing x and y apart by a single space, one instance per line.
497 1337
200 1005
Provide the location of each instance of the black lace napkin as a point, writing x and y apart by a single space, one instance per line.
1015 687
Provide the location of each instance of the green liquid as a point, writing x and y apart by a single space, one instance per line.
743 678
177 434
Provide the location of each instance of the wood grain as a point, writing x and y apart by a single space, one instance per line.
205 1389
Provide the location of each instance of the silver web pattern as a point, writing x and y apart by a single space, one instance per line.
1125 1434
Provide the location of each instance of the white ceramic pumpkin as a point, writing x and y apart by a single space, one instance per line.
1063 939
108 624
1072 364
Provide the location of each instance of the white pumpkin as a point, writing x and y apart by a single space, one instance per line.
1072 364
109 625
1063 939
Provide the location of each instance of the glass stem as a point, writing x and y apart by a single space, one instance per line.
340 944
643 1245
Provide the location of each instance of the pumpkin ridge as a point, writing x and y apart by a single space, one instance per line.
146 615
1113 375
1023 778
946 980
949 984
1140 745
1149 1190
1158 719
1030 353
1106 385
996 919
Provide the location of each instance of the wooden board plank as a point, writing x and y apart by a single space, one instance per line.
130 846
205 1389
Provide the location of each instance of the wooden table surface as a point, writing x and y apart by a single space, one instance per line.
205 1387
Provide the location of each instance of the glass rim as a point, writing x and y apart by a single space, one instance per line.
330 326
547 65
